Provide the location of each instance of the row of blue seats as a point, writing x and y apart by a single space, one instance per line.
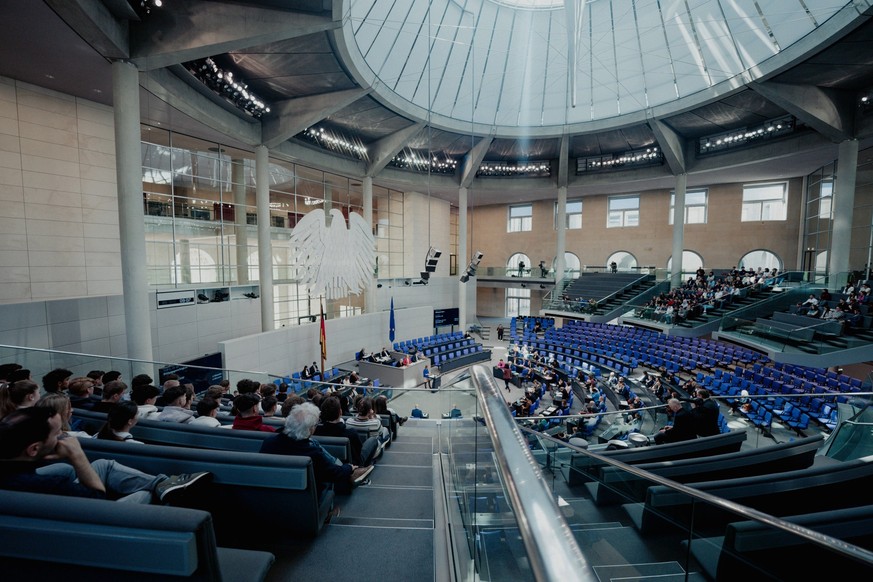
429 341
438 359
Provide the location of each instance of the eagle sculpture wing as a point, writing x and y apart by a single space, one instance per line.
333 260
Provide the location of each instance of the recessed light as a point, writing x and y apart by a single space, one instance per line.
98 90
48 76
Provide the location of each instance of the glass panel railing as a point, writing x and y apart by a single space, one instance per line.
507 525
41 361
736 518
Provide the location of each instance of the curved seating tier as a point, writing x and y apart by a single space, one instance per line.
241 481
96 539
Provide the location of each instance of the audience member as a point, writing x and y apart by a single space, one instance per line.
269 404
119 420
207 410
294 439
175 398
32 436
60 403
363 450
367 421
57 380
145 396
21 394
81 391
111 376
682 429
247 417
112 395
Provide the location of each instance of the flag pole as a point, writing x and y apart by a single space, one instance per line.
322 340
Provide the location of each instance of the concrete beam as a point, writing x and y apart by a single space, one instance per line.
828 111
185 30
288 118
178 94
472 161
386 148
672 144
564 162
93 22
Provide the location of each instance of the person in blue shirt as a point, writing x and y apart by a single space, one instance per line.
426 375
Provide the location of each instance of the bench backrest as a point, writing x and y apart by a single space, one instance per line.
48 536
241 481
205 437
787 456
727 442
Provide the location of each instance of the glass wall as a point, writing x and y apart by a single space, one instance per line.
819 217
201 220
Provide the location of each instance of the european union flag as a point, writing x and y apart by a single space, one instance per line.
391 322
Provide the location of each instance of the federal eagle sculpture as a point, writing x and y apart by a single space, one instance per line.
331 259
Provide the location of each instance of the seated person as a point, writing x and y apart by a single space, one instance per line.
683 427
418 413
247 417
363 452
294 439
380 405
304 373
112 394
119 421
406 360
269 406
145 396
207 410
176 398
360 355
31 436
81 392
367 421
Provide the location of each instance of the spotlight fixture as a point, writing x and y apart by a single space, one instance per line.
334 141
746 135
227 85
536 169
647 157
471 268
423 162
147 5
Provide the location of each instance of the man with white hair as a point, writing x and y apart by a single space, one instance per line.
294 439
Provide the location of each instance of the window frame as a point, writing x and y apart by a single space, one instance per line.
760 204
623 214
520 223
705 205
568 215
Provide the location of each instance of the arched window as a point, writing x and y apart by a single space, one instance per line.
760 259
512 265
623 259
572 265
691 261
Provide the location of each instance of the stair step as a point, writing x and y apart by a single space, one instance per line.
663 570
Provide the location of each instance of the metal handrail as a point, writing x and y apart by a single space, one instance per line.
552 551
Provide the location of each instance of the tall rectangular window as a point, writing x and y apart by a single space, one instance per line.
765 202
623 211
695 206
520 218
574 215
825 202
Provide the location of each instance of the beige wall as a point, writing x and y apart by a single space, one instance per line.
58 208
722 241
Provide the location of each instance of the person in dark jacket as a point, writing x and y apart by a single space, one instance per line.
295 440
332 425
683 427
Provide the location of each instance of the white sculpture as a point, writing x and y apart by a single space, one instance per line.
333 260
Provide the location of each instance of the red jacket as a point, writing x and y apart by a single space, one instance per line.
255 422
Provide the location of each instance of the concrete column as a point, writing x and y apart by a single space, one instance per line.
128 169
678 231
184 247
844 208
241 233
463 259
370 291
561 244
265 247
